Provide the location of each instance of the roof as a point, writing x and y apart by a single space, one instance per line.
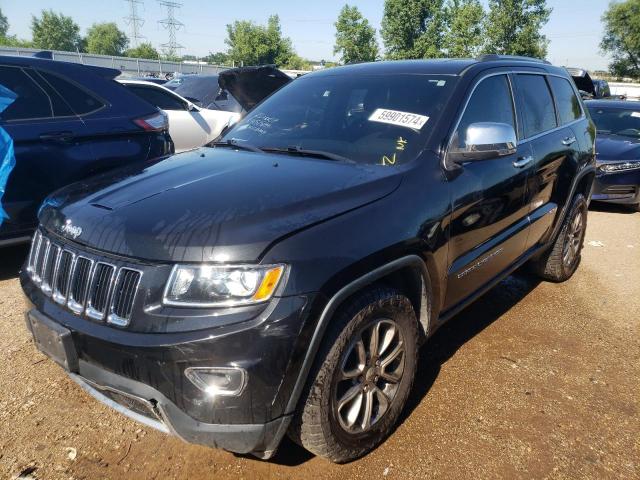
622 104
443 66
56 64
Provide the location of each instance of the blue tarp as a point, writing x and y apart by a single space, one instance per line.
7 157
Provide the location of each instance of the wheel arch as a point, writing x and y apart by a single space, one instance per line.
411 274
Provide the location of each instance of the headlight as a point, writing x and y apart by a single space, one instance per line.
619 167
221 285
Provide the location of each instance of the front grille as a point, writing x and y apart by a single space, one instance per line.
84 284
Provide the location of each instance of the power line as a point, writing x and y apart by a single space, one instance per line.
134 22
171 25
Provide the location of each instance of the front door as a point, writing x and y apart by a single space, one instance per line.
489 210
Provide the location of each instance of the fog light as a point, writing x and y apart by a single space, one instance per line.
218 381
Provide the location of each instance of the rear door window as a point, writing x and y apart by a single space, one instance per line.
566 101
32 101
491 101
80 101
537 104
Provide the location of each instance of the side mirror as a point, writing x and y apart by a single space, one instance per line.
484 141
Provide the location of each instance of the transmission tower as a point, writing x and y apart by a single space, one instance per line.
134 22
172 25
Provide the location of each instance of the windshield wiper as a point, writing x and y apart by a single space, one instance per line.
294 150
239 145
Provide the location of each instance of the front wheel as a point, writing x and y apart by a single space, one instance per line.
362 379
560 262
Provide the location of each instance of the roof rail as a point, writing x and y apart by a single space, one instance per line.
492 57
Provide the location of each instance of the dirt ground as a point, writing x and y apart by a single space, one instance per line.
535 380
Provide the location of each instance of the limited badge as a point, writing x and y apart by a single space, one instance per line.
400 119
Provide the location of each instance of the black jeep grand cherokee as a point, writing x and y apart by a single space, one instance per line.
282 281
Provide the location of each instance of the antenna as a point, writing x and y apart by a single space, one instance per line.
172 25
134 22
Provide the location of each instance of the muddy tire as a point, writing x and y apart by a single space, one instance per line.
362 377
560 262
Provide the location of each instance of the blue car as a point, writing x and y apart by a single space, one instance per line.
617 151
69 122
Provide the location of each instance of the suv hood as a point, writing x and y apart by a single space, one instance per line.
617 147
210 204
583 80
251 85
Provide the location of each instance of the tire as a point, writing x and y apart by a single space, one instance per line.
560 262
330 421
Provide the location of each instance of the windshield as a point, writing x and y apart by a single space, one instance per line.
617 121
375 119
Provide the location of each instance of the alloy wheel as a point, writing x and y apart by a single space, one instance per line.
369 375
574 238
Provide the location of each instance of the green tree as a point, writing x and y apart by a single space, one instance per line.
463 37
622 37
144 50
106 39
252 44
4 24
217 58
55 31
413 28
355 37
513 27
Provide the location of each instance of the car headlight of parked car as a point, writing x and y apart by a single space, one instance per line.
619 167
222 285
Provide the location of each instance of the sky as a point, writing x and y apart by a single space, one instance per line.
574 29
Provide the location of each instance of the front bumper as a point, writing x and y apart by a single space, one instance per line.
142 374
620 187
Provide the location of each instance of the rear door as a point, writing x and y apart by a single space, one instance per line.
489 224
48 140
547 116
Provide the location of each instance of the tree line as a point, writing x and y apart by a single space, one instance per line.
409 29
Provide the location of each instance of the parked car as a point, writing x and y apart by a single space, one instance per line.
203 90
284 280
69 121
189 126
588 87
234 90
156 80
617 151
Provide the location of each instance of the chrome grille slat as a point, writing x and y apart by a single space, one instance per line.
122 303
79 285
83 283
49 269
100 290
61 280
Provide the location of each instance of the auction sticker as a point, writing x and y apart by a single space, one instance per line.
400 119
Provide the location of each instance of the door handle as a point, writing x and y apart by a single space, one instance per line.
523 161
57 136
568 141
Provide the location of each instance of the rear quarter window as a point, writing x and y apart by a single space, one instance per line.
32 101
80 101
537 104
566 100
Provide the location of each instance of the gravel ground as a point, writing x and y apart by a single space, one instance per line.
535 380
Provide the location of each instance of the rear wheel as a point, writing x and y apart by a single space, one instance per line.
560 262
362 379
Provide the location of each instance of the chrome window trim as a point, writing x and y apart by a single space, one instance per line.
72 304
94 313
112 318
524 140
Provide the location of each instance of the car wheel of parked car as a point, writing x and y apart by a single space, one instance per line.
562 259
362 378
